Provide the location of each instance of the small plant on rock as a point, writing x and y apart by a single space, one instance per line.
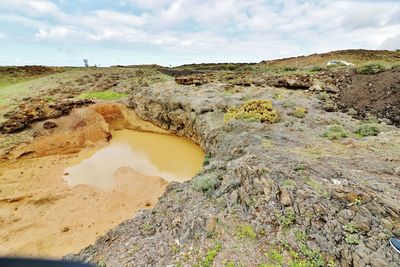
352 239
287 218
351 228
254 110
245 231
210 256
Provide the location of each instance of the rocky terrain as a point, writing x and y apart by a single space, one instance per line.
303 165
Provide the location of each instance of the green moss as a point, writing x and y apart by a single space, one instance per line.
254 110
245 231
105 95
299 112
368 129
335 132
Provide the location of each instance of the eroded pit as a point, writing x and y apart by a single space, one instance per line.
73 183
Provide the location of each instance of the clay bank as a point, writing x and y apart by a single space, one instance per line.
84 175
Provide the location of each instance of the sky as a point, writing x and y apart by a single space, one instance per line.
174 32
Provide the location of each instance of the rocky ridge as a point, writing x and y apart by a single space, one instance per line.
280 189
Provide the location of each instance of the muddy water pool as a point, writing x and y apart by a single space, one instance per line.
54 205
166 156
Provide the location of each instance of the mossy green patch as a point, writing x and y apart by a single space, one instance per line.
105 95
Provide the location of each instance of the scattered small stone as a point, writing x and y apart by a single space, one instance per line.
49 125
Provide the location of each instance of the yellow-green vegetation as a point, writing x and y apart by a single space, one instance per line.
105 95
254 110
286 218
245 231
210 256
335 132
305 257
368 129
299 112
351 228
372 68
49 98
352 239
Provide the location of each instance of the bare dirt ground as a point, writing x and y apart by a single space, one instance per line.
40 215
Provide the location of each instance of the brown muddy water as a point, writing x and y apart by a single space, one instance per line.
77 186
157 155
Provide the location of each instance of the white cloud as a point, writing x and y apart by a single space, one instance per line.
391 43
2 36
256 29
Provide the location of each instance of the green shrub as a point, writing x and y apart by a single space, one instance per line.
205 184
371 68
299 112
324 96
368 129
254 110
335 132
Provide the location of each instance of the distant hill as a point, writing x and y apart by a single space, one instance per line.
356 56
